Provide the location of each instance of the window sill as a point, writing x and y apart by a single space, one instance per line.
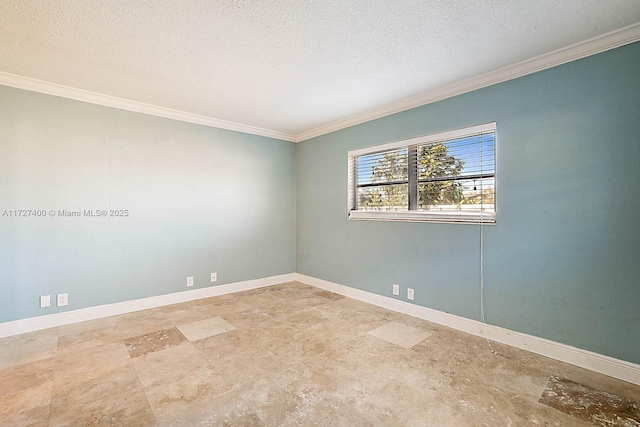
449 217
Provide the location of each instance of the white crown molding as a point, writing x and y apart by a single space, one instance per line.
608 41
32 324
621 37
55 89
613 367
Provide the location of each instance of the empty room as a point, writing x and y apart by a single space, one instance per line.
319 213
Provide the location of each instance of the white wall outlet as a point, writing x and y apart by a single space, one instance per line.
63 299
214 277
396 289
189 281
410 294
45 301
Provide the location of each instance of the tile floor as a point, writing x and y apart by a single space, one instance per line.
291 355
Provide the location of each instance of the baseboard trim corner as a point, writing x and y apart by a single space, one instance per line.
38 323
606 365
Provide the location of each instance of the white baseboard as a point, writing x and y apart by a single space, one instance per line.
59 319
610 366
616 368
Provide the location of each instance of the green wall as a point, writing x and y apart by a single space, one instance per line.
563 260
200 200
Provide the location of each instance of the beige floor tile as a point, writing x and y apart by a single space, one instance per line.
329 295
20 349
226 410
391 402
90 338
292 286
142 322
294 345
238 358
347 322
353 305
205 328
305 294
177 379
115 398
27 375
283 398
89 325
252 319
300 317
282 306
204 309
399 334
258 298
77 365
222 306
377 361
180 314
471 358
281 300
27 406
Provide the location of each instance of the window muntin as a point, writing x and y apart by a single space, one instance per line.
447 177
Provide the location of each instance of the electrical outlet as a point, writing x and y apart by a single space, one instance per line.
189 281
396 289
45 301
214 277
410 294
63 299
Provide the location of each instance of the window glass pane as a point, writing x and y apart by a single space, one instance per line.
471 155
384 198
468 195
435 161
388 166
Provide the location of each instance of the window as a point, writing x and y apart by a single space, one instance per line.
446 177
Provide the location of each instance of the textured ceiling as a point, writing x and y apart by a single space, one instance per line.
286 65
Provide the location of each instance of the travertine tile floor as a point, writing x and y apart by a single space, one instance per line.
290 355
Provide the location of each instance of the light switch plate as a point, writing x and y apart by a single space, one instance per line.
45 301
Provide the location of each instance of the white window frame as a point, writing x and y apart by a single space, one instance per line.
488 218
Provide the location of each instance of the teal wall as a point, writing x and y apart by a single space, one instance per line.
563 260
200 200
